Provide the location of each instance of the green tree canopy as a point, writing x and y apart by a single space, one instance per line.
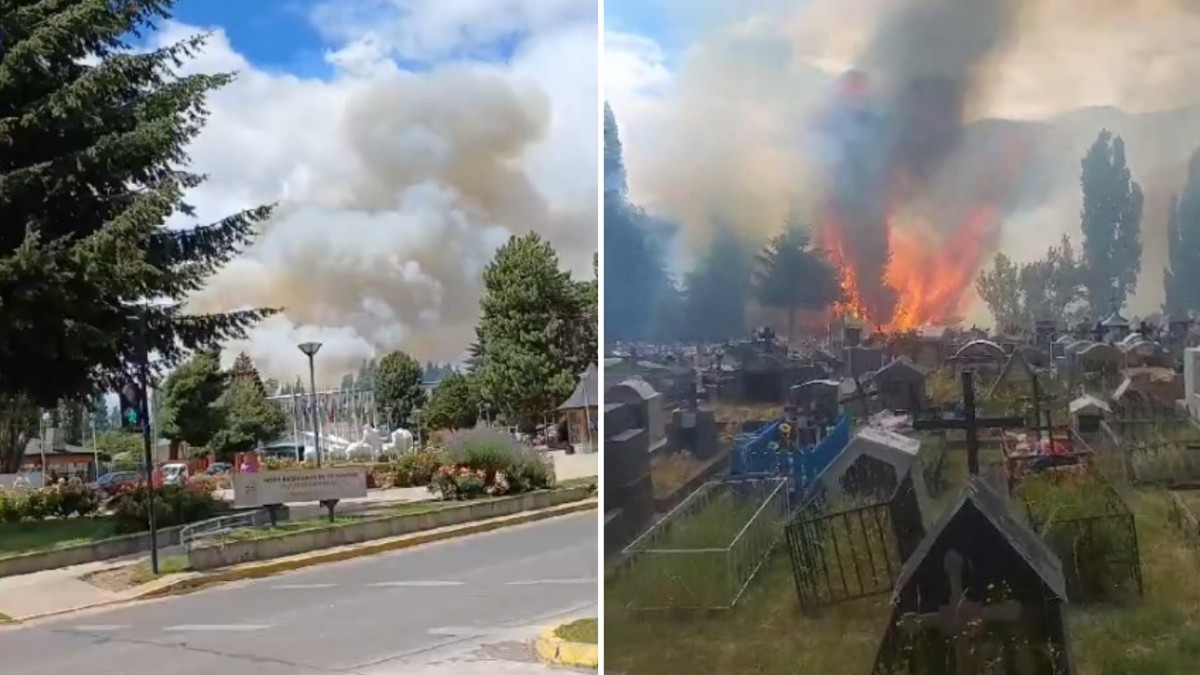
190 412
454 404
249 419
398 390
1112 225
94 136
792 275
1019 294
533 336
244 370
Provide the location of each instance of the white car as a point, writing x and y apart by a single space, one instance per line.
175 473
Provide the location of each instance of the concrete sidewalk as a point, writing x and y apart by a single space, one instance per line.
64 590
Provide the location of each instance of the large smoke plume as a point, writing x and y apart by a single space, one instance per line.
384 248
962 131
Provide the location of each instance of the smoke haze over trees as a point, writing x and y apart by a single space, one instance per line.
1181 279
717 291
635 272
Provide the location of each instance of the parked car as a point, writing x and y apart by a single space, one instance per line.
110 482
218 469
174 473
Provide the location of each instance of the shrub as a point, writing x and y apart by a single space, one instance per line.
173 505
451 482
54 501
416 469
484 449
531 471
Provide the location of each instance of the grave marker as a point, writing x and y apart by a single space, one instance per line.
970 422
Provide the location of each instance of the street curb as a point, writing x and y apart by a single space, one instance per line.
266 569
556 651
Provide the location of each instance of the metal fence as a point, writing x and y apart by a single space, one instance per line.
706 551
1096 540
765 454
842 554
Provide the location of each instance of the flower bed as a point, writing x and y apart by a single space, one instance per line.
484 462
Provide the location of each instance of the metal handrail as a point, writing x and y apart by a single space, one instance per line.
213 527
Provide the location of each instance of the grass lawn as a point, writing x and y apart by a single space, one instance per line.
46 535
583 630
766 634
171 564
692 561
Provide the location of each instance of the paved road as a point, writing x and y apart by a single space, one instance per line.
466 606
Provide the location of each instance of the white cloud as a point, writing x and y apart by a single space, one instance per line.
396 187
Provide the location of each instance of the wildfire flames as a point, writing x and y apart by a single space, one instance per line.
898 272
932 279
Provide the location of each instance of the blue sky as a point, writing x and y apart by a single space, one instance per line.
281 36
275 35
647 18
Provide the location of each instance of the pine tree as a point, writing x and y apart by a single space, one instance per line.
1182 276
635 272
94 136
532 340
717 292
792 275
244 370
1111 220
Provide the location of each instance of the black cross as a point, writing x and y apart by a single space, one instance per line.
970 423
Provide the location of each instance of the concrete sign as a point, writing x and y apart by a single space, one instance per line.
252 490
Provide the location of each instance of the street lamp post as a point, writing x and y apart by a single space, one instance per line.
46 422
310 350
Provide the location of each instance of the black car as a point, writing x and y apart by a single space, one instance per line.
218 469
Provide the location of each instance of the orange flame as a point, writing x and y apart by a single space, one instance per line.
932 276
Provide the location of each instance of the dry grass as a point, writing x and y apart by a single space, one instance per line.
766 634
671 472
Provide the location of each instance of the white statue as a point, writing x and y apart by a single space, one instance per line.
401 441
372 438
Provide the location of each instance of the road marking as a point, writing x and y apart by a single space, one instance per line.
217 628
297 587
101 628
463 631
415 584
553 582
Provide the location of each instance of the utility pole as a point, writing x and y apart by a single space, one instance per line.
143 384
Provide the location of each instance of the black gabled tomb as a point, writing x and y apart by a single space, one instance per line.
981 595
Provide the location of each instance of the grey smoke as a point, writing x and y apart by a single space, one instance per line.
386 251
1056 70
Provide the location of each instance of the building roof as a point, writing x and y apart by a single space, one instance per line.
1086 402
587 391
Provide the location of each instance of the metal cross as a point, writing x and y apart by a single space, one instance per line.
970 423
961 619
